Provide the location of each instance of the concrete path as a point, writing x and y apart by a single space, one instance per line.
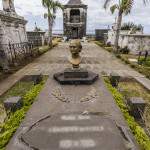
74 117
94 58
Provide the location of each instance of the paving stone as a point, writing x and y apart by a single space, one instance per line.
94 57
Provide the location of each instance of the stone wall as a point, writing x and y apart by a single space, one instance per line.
12 28
134 42
37 38
99 33
13 37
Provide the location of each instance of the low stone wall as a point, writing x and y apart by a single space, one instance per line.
134 42
99 33
36 37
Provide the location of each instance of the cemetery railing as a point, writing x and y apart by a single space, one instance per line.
17 51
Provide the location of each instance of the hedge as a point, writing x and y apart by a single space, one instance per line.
142 139
14 120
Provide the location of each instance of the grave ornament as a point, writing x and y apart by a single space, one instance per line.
75 49
8 5
75 75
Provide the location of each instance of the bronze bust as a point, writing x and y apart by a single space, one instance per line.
75 49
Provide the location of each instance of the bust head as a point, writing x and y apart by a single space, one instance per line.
75 47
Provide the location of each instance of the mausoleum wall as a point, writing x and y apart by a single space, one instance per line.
134 42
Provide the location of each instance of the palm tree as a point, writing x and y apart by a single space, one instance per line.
51 7
124 7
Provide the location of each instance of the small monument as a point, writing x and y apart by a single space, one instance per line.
75 75
75 19
8 5
12 31
12 26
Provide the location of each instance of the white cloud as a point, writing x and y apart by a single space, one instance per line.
97 15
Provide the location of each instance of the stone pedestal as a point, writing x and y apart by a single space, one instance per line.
76 76
75 73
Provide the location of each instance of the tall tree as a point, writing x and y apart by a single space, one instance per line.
51 7
124 7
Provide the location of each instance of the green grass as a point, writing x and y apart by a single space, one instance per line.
145 63
138 132
134 89
14 120
19 89
43 49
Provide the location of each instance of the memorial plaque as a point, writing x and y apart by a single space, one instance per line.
75 132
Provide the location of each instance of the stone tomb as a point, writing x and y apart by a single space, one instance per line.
73 117
75 131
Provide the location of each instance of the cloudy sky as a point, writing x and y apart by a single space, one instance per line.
98 17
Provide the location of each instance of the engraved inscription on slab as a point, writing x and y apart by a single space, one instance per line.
75 132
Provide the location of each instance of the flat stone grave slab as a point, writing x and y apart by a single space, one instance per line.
75 132
73 117
13 103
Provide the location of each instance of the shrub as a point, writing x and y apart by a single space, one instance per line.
132 65
13 122
99 43
43 49
124 50
109 49
118 56
138 132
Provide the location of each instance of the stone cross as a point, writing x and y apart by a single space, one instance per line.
8 5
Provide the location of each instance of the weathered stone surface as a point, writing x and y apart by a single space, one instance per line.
75 131
92 100
75 16
131 41
75 73
13 103
77 78
137 106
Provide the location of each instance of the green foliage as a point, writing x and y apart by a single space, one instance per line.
19 88
100 43
118 56
138 132
131 25
109 48
144 62
13 122
43 49
140 68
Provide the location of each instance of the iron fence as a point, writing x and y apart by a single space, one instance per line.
16 52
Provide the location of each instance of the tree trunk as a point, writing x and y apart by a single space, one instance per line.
49 31
117 32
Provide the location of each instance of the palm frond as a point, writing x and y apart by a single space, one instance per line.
126 6
107 3
113 8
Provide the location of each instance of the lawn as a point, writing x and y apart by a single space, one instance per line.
134 89
19 89
139 133
29 92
